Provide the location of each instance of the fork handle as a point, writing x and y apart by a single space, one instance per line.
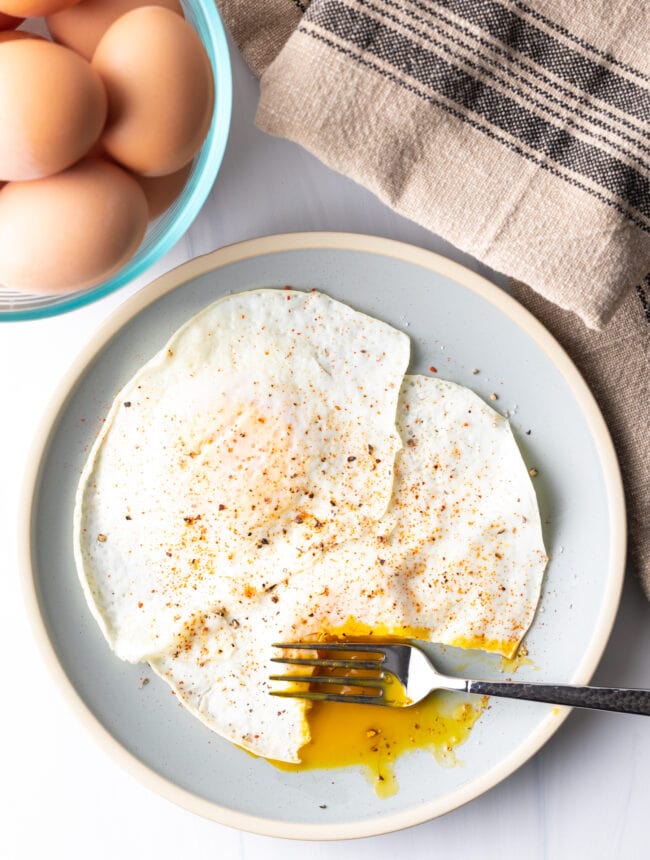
626 701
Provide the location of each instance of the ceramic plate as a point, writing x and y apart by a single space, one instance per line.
457 322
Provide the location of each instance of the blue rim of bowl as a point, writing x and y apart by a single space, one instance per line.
209 158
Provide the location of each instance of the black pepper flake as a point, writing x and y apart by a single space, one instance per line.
127 403
128 517
351 459
323 806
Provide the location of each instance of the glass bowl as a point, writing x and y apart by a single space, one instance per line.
164 232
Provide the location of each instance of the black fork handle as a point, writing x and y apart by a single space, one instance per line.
625 701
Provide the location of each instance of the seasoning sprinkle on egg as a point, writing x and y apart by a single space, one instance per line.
314 532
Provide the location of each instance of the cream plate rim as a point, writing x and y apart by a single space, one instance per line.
406 253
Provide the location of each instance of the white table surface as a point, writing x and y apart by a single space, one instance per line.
586 794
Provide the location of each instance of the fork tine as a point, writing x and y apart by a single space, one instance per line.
331 697
329 664
339 680
358 647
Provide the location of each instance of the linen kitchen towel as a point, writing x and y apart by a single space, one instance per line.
519 131
615 361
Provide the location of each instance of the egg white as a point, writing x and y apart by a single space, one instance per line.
259 437
271 476
458 557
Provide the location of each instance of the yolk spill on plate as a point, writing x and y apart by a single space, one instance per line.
521 658
373 736
481 643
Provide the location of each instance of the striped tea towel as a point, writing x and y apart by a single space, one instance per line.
519 131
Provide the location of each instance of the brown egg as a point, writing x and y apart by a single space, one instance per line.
161 191
33 8
71 230
52 108
8 22
82 26
160 90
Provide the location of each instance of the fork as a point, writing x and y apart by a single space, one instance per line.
414 670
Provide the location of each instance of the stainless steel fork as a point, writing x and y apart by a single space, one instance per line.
417 674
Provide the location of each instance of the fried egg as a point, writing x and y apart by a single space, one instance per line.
271 475
459 555
261 436
458 558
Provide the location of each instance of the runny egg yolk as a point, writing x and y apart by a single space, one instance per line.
508 647
373 736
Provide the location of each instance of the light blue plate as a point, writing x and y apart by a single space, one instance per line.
457 321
